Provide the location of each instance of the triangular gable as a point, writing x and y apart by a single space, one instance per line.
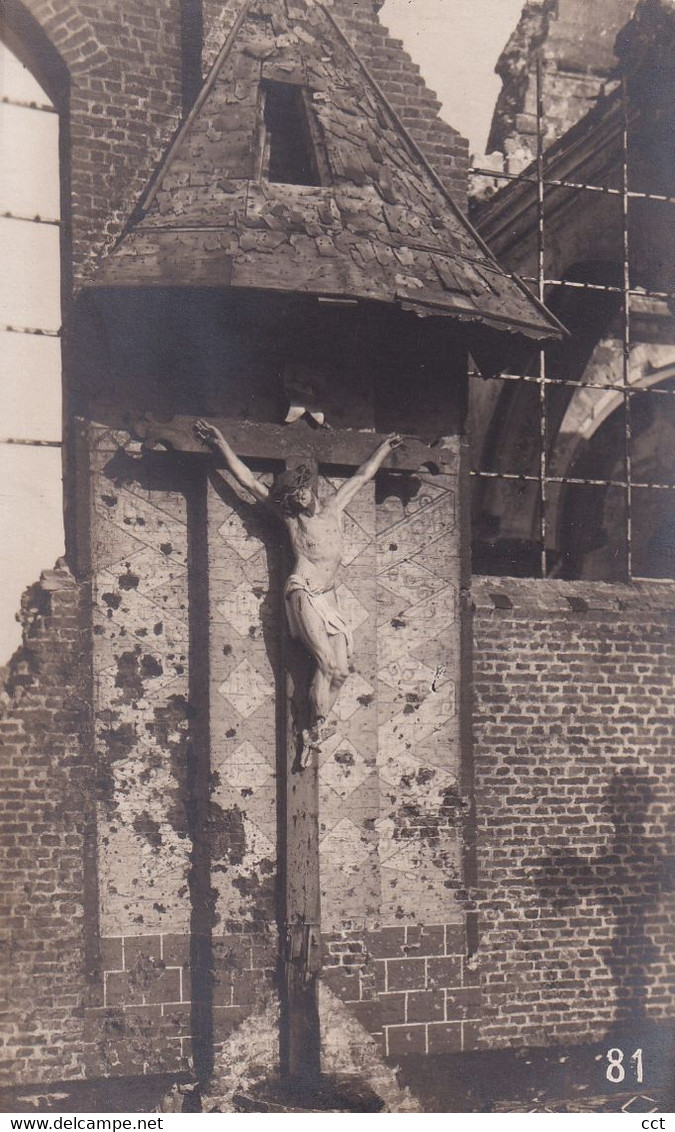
379 225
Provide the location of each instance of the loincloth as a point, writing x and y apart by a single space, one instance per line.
332 619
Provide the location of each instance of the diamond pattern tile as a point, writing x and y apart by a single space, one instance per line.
241 608
407 675
411 582
246 689
346 846
246 768
355 540
343 768
353 691
394 511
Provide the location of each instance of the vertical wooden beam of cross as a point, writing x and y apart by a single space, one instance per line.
301 1032
299 838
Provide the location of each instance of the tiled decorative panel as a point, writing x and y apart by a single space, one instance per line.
245 608
140 637
389 804
348 786
418 667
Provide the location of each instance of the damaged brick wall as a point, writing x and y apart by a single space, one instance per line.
574 787
46 805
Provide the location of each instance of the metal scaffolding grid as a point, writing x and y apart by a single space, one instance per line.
628 294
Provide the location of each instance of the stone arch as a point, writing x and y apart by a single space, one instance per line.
35 236
27 39
585 441
509 414
54 42
590 408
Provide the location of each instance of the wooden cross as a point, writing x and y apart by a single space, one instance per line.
291 445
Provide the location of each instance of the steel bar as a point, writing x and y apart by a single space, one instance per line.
566 382
634 194
541 285
524 478
30 219
636 292
626 323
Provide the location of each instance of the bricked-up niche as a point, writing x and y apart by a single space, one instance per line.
188 622
47 800
574 782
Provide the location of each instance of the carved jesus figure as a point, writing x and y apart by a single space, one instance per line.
314 527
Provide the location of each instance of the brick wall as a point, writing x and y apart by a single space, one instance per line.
413 988
185 729
45 802
574 785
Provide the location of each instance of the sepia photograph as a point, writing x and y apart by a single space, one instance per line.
337 558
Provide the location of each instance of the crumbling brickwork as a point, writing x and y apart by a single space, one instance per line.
574 787
46 807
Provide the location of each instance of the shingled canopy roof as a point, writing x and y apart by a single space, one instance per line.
371 220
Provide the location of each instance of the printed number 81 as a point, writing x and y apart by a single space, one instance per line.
615 1070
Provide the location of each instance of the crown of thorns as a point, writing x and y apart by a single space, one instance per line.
287 483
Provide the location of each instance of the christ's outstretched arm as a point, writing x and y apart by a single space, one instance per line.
214 439
366 472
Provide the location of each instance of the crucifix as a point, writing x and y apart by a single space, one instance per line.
315 631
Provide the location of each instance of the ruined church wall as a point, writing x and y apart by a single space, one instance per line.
576 42
574 788
48 919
